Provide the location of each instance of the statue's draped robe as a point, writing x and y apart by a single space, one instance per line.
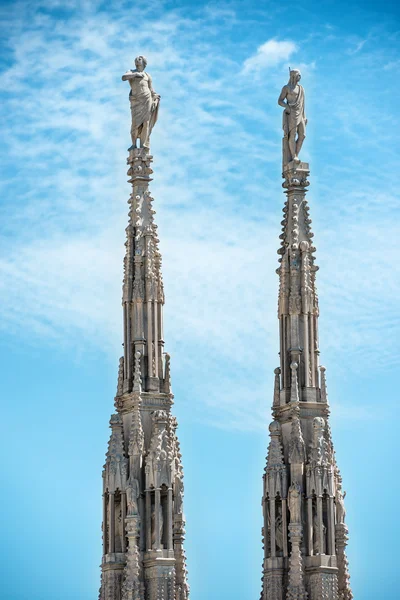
141 99
297 113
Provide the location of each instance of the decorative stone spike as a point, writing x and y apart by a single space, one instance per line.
345 592
277 388
317 564
143 519
324 391
294 392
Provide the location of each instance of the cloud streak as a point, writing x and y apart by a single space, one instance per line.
217 191
269 54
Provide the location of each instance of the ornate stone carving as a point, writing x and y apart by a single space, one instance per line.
144 103
340 508
132 587
132 495
345 592
151 473
323 586
277 388
300 408
296 589
159 459
295 503
318 446
116 465
120 383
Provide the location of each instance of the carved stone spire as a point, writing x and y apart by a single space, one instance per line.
115 468
314 565
143 520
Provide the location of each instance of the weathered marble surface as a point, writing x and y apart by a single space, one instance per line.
294 119
144 103
304 532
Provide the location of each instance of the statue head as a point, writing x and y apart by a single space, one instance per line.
295 76
140 63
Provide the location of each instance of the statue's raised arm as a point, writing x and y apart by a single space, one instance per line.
294 119
144 103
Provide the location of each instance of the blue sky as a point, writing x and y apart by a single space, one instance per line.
219 68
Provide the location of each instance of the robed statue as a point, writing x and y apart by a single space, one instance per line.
294 117
132 495
144 103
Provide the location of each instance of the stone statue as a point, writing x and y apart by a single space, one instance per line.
279 532
153 526
132 495
294 118
295 503
144 103
340 509
317 537
178 495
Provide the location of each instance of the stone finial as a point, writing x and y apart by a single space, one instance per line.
294 390
324 390
275 471
137 377
167 376
116 465
120 384
277 388
275 457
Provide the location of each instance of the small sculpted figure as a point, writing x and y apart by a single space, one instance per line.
295 503
279 532
317 536
178 495
153 526
132 495
294 118
340 509
144 103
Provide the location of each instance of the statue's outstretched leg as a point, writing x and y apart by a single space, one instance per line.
144 136
300 139
292 144
134 136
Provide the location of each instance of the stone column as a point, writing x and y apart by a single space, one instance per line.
123 517
345 592
310 527
149 339
148 520
131 587
320 525
272 531
111 541
157 503
331 526
170 543
105 546
156 354
284 526
180 556
266 530
296 589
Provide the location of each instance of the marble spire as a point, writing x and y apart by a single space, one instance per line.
304 530
143 521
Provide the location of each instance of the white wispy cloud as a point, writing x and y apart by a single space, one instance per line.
270 54
217 191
